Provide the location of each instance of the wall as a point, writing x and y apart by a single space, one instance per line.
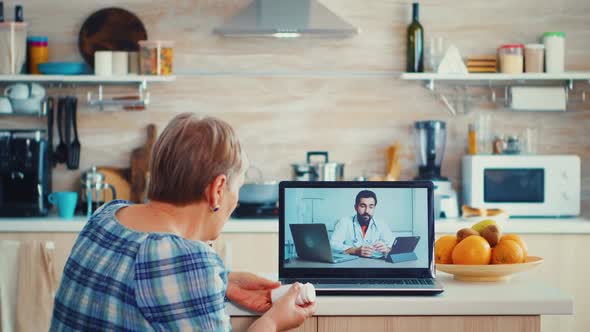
286 97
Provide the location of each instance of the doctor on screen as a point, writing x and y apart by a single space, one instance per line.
361 234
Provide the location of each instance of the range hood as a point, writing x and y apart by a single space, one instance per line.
286 19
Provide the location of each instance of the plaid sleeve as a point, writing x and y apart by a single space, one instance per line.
180 285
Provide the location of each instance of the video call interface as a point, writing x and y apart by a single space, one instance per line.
356 228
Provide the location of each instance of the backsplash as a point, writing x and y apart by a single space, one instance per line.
285 97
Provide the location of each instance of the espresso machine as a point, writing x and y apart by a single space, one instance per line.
431 139
25 173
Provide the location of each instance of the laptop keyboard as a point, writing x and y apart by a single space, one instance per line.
416 281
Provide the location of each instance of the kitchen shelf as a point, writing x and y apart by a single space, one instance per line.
493 80
97 99
85 79
495 77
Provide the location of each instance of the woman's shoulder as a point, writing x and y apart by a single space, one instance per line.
162 247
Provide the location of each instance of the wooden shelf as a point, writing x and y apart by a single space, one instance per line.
86 79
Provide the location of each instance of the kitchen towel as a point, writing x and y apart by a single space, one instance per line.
538 98
9 251
36 286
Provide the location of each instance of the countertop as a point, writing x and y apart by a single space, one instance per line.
442 226
518 296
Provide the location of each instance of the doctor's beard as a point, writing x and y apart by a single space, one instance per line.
364 218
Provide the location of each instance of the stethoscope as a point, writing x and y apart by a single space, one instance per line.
373 224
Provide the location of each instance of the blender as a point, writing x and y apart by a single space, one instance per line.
431 139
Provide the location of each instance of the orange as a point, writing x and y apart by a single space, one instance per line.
443 249
473 250
507 252
520 241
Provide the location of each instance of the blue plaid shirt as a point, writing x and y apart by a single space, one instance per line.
120 279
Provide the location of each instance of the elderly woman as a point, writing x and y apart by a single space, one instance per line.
148 266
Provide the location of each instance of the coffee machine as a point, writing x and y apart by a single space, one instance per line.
25 173
431 139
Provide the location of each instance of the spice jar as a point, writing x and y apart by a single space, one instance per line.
534 57
38 52
511 58
156 57
554 52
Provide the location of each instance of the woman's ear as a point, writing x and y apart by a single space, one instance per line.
216 191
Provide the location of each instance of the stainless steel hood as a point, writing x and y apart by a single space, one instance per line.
286 19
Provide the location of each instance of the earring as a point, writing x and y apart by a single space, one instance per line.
216 208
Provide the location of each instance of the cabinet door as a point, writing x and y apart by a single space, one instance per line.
251 252
241 324
63 245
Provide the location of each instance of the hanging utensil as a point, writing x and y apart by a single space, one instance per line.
50 106
61 150
74 151
68 130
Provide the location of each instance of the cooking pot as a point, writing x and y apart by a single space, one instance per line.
257 191
318 171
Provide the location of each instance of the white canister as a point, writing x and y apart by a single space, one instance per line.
554 52
103 63
120 63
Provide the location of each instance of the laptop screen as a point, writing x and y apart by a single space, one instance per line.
359 226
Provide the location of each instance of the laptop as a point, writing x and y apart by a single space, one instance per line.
401 213
312 244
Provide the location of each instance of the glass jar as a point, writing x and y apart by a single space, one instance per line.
554 52
511 58
534 58
156 57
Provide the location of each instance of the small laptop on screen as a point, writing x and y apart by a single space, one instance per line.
388 227
312 244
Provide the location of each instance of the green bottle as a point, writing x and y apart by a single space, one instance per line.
415 44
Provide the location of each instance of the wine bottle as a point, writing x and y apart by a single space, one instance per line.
415 43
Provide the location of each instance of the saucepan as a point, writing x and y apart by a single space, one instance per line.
257 191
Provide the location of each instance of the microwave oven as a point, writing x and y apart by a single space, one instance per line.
523 185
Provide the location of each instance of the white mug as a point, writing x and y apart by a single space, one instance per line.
5 106
120 63
24 91
103 63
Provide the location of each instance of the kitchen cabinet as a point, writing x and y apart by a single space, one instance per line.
407 323
249 251
241 324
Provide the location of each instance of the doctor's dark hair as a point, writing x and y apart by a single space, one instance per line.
365 194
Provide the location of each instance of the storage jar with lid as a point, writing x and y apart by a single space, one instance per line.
534 58
511 58
156 57
554 52
38 52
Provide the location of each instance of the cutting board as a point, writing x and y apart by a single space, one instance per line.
140 163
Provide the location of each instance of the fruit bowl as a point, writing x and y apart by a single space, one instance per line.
491 272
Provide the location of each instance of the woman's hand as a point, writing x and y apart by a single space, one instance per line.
250 291
285 314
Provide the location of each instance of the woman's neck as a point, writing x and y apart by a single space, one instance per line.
154 216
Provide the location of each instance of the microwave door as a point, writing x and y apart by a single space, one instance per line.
514 185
